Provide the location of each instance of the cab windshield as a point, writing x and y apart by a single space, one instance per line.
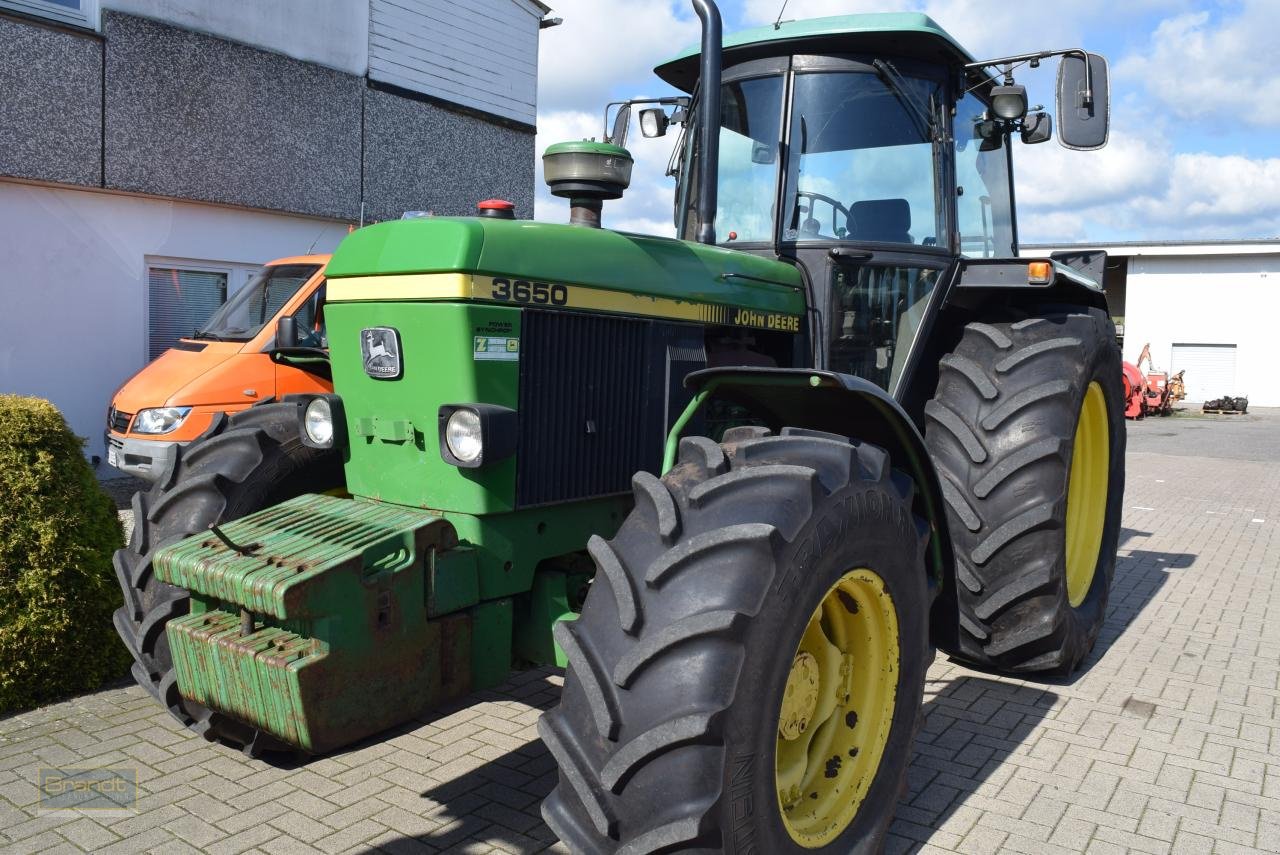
253 306
862 166
854 157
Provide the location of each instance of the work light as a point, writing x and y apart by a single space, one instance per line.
653 122
1009 102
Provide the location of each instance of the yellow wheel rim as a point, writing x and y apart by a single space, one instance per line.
1087 494
837 709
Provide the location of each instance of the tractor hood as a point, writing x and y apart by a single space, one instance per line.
620 271
162 382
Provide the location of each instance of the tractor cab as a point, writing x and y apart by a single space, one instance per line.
873 152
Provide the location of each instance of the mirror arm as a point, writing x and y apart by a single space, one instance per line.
1036 57
667 101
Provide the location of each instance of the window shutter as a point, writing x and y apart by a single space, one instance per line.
181 301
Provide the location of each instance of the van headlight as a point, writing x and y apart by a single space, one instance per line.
159 420
472 435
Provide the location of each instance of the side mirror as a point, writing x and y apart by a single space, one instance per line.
1037 128
654 122
286 333
1084 109
618 136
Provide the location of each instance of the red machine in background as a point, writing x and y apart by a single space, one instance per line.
1150 393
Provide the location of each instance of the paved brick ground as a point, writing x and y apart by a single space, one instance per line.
1169 742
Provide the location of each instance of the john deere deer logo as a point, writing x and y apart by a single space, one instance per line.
380 347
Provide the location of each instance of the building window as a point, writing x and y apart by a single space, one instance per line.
78 13
180 302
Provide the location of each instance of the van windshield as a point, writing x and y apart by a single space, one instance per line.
253 306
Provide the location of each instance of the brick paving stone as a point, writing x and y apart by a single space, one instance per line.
1167 742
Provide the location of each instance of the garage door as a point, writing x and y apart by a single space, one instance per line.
1211 370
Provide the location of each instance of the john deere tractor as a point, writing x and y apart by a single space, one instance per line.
741 483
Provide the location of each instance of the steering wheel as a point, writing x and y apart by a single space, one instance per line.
837 207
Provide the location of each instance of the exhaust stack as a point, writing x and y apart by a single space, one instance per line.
709 129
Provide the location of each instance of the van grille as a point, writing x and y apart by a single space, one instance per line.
118 420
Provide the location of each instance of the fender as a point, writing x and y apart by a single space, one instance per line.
836 403
984 277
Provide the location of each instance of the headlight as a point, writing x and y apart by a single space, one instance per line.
160 419
322 422
462 433
474 435
317 422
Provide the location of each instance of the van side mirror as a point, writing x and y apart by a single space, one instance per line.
286 333
1037 128
1084 94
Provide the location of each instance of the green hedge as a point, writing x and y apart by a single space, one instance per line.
57 589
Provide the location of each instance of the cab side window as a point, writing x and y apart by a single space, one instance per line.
984 203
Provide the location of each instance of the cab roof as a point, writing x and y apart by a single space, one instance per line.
898 33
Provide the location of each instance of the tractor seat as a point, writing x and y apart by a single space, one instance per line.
884 220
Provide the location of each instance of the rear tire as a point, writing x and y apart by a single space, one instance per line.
668 729
1002 433
243 463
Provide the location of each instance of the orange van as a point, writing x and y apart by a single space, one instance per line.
229 364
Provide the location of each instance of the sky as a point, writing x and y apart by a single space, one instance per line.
1195 106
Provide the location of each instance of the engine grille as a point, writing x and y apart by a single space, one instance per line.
118 420
597 395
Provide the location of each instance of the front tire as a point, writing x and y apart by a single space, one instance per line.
1026 431
243 463
747 672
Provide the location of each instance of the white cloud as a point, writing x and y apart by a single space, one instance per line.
1200 66
1209 194
1148 192
1050 176
605 43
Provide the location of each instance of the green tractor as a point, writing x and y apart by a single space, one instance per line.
740 484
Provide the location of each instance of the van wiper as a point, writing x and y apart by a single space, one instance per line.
201 334
920 114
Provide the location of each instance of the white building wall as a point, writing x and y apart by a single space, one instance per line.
481 54
333 33
73 298
1231 299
